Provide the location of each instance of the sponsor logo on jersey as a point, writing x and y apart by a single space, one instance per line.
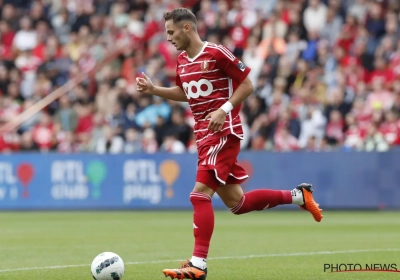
195 89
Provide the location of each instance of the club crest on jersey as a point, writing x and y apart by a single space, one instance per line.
204 66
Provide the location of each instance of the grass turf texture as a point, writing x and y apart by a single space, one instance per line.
42 239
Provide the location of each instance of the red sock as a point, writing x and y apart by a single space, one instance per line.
261 199
203 223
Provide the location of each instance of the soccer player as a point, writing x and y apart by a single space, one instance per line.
215 83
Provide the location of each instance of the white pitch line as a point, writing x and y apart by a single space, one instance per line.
214 258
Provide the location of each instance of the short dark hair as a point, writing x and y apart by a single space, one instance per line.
180 14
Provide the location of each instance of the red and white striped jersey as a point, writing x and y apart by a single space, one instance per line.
209 79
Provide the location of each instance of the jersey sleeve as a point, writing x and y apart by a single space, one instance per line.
178 81
230 65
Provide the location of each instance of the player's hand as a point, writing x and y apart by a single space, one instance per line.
217 119
144 84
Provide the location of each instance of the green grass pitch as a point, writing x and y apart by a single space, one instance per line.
256 246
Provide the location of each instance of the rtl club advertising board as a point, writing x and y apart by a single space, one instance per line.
164 181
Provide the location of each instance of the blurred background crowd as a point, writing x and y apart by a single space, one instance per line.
326 73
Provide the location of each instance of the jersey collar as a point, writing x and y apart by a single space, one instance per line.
197 55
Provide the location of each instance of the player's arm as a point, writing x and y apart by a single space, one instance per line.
145 85
173 93
217 118
238 72
241 93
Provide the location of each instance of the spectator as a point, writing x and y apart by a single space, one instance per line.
374 140
171 144
353 138
66 117
359 9
390 128
332 28
27 64
326 74
27 143
315 16
25 38
149 142
68 144
335 128
179 128
44 133
133 143
97 131
149 115
116 118
109 142
285 142
312 127
129 117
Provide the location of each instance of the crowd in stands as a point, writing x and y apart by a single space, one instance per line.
326 74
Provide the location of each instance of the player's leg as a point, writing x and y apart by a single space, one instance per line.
240 203
203 227
203 213
203 217
231 175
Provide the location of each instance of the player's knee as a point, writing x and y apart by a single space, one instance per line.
236 206
201 192
235 212
231 204
196 197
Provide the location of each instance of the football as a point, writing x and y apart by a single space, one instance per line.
108 266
